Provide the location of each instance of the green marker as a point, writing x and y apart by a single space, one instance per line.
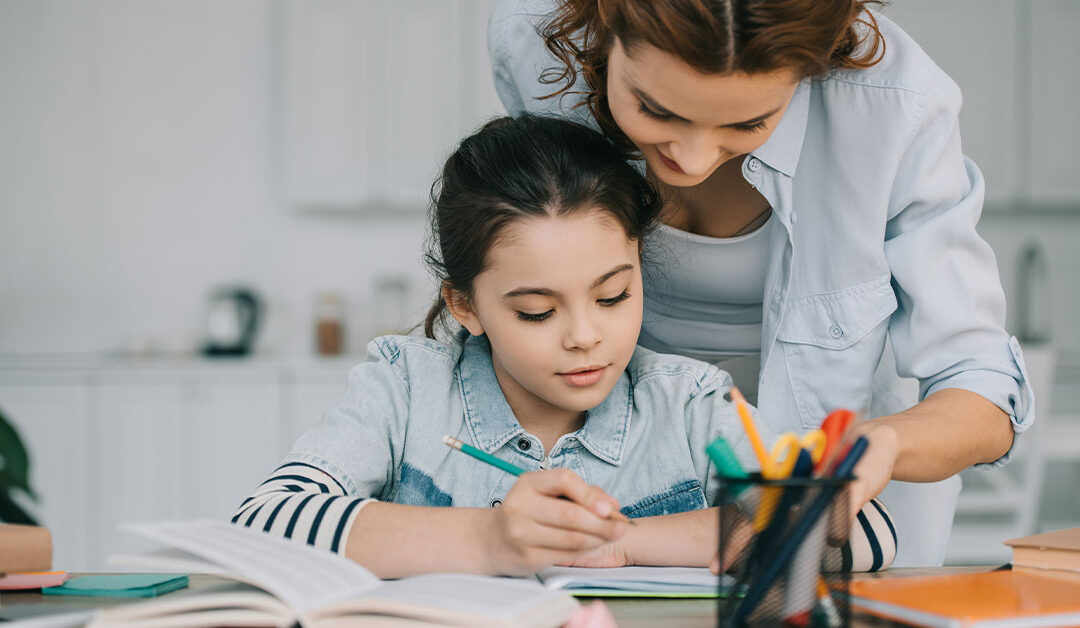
727 465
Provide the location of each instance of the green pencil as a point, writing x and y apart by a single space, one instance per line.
482 455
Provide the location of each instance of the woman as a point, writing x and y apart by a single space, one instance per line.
817 203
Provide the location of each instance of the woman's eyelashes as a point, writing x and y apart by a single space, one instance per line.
530 317
663 117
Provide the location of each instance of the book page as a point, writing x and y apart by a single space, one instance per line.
656 579
463 599
301 576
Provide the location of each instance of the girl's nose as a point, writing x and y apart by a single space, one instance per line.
582 333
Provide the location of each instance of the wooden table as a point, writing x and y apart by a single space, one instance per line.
629 613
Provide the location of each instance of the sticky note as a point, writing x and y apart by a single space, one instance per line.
121 585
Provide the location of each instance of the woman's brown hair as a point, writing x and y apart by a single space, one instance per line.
810 37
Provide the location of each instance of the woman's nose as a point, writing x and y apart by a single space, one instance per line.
695 153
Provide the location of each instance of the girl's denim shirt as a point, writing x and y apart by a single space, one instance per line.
644 444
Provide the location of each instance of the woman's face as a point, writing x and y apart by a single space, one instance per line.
686 123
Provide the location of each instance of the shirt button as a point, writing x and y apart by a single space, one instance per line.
524 444
794 218
495 503
836 331
754 164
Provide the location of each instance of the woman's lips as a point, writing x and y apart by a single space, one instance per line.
671 164
583 378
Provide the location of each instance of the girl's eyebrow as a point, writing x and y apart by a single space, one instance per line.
548 292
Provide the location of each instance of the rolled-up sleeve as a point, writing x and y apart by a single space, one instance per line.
948 331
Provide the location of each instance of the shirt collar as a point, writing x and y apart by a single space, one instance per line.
492 423
781 151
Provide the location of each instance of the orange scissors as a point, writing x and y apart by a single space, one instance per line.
780 462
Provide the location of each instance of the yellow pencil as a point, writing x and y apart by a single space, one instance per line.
750 428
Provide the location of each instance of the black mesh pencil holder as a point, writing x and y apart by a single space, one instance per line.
774 545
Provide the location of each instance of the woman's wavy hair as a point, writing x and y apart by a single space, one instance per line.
811 37
518 168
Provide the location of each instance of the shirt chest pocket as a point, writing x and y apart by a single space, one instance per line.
832 343
682 497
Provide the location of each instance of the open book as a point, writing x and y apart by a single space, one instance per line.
318 589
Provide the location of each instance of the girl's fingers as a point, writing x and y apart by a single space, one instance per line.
566 483
569 516
546 537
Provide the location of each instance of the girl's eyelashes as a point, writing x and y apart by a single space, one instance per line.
533 318
614 300
536 318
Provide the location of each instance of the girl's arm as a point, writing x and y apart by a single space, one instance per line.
548 517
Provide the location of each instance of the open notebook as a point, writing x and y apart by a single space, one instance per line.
678 582
318 589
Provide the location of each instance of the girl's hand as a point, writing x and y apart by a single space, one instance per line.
609 555
549 517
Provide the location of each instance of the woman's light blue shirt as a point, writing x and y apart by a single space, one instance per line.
878 208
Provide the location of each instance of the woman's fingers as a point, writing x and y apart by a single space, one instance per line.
567 515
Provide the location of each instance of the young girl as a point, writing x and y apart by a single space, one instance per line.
537 229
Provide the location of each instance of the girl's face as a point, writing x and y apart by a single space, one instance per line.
686 123
560 301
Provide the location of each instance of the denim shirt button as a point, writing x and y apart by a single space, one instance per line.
753 165
524 444
495 503
836 331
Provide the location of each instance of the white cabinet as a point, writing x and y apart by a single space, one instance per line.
1054 153
144 442
976 42
374 96
136 463
1015 61
50 411
231 439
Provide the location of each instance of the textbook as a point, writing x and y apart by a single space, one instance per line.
998 599
1058 550
674 582
299 584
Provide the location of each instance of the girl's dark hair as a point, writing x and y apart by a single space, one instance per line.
810 37
514 168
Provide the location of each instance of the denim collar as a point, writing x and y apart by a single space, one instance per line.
492 423
781 151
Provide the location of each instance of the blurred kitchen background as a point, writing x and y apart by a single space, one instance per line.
182 177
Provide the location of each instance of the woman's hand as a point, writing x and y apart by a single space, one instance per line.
549 517
872 473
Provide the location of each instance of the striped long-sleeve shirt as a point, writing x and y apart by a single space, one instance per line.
304 503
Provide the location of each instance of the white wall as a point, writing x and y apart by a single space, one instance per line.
138 170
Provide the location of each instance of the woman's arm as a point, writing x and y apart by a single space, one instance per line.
947 432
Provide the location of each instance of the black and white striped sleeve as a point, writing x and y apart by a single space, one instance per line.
872 544
304 503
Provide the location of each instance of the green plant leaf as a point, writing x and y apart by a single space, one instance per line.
10 512
14 460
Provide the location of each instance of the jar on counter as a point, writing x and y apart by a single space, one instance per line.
329 324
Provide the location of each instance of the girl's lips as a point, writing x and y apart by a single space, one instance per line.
671 164
583 378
